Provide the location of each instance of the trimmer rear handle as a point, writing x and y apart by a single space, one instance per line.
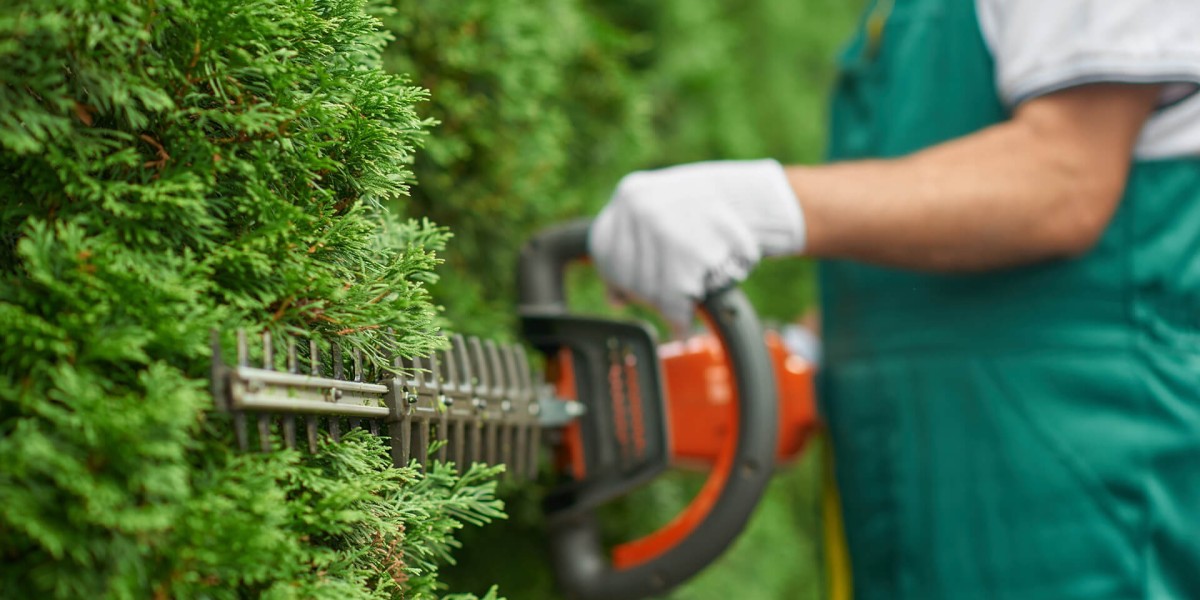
543 265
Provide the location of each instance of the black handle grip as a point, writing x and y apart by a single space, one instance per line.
543 263
582 566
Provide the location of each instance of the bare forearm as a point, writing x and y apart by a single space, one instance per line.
1026 190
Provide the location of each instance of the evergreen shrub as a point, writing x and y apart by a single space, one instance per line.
166 168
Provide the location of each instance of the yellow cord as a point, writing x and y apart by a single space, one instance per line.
876 23
837 558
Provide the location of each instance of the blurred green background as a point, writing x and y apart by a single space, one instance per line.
542 105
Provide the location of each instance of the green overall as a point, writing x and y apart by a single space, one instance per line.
1029 433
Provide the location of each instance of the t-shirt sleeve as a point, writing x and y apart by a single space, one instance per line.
1043 46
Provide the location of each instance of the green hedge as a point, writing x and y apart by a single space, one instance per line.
170 167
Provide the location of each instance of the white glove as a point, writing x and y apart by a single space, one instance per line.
669 237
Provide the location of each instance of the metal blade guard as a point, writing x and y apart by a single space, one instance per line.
622 439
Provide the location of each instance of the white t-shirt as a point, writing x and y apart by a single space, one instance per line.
1042 46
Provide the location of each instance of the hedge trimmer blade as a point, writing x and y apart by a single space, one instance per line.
476 401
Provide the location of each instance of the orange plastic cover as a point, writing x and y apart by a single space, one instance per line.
700 391
702 417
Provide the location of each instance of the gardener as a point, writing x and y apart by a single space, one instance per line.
1011 291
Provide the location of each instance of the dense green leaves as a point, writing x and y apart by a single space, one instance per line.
167 167
171 167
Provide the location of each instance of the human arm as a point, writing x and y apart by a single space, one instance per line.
1081 79
1039 186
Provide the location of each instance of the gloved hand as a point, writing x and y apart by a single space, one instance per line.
671 236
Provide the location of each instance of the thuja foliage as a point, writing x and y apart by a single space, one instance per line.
171 167
538 116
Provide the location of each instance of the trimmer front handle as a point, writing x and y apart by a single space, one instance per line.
622 439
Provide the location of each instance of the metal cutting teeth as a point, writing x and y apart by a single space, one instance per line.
474 401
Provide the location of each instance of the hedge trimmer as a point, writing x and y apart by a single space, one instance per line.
615 409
